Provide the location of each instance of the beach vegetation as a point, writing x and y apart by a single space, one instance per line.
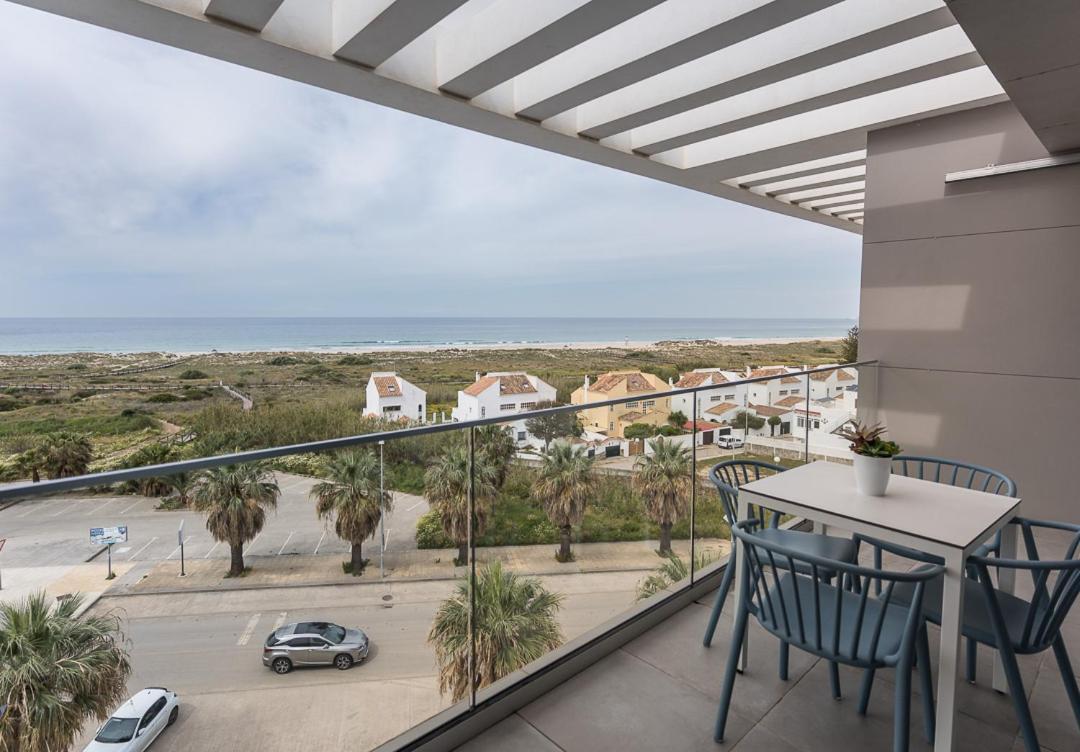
849 346
191 374
354 360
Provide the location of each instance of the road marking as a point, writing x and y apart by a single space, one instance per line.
386 539
216 544
286 542
248 630
128 509
319 543
63 509
247 549
97 509
177 549
143 548
30 508
279 621
417 504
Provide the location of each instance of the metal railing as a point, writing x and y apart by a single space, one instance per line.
44 488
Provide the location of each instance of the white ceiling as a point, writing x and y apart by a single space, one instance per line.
765 102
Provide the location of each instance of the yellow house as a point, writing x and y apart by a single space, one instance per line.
612 420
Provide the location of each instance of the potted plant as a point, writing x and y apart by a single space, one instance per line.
873 457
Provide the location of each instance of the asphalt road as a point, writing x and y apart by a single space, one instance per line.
207 647
56 531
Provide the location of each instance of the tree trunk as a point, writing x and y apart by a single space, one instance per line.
236 559
462 553
357 560
564 543
665 539
36 475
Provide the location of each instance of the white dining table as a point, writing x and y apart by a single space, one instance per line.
935 518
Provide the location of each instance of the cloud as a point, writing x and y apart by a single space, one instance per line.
142 180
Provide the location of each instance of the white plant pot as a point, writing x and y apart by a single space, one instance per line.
872 474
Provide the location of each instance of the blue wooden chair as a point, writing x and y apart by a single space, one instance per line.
845 625
1011 624
953 473
727 477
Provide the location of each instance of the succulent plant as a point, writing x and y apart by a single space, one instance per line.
866 440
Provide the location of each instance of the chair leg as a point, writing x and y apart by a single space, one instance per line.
972 659
926 683
834 679
902 703
864 691
721 596
1018 695
729 674
877 566
784 650
1065 666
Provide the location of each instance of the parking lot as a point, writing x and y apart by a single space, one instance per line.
56 531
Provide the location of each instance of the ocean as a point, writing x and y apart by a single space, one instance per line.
29 336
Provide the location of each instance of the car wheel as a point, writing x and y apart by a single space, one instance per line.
173 715
343 661
282 665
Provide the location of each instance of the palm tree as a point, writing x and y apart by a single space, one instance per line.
31 462
351 497
66 454
673 570
664 479
182 486
564 484
515 624
446 486
497 446
56 671
235 499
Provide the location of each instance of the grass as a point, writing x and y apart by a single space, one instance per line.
98 425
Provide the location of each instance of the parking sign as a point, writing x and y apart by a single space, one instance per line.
107 536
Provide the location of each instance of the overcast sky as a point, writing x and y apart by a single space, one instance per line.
139 180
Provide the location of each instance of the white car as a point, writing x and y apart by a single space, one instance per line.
136 723
729 442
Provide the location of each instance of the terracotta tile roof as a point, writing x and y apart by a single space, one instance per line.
768 410
387 386
635 382
722 408
693 379
630 417
702 425
841 375
789 380
515 383
477 387
791 401
758 373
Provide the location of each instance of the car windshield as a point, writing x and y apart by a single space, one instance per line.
117 730
334 633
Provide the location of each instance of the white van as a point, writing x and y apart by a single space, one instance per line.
730 441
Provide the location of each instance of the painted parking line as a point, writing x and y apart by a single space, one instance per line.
98 508
291 532
247 549
145 546
386 539
128 509
216 544
417 504
63 509
248 630
319 543
177 549
29 508
279 621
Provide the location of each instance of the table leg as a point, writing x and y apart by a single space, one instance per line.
740 588
821 528
952 608
1006 584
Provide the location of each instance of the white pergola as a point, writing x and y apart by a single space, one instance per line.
764 102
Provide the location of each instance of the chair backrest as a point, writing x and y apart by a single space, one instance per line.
789 593
1057 585
954 473
727 476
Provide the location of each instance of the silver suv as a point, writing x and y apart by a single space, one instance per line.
314 643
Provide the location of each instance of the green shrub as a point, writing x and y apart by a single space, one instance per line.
162 398
669 431
82 394
96 425
429 532
354 360
193 373
7 404
639 431
77 367
194 394
283 360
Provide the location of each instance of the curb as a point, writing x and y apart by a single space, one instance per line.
96 554
88 604
334 583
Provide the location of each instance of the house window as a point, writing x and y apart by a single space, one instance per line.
392 409
483 412
802 422
521 436
648 403
611 426
729 397
719 398
783 392
631 405
817 424
793 391
506 406
528 405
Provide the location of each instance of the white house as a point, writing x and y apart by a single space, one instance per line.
725 392
390 396
503 394
829 384
769 392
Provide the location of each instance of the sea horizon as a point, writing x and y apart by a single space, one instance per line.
197 334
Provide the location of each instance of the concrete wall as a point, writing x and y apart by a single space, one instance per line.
971 301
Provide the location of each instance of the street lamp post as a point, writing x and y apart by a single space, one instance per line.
382 515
